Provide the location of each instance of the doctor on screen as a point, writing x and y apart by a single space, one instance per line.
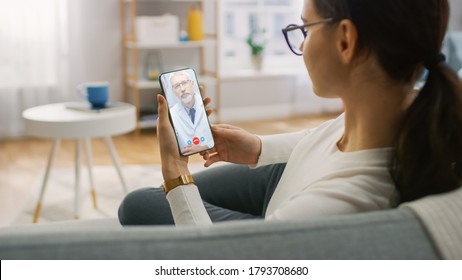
188 115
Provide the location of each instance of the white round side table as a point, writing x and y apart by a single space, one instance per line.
56 121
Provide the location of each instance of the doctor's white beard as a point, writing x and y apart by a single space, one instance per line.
187 99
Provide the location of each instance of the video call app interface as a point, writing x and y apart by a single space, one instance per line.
187 111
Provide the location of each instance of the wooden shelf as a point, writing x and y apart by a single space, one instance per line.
154 84
160 1
144 84
148 121
135 52
178 45
250 74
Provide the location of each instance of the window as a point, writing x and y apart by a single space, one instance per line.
267 17
30 32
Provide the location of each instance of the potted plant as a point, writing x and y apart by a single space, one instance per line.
257 46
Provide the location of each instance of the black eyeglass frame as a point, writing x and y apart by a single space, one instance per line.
303 27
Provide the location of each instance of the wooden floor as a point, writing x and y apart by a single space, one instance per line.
22 160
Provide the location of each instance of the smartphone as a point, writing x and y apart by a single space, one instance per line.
187 111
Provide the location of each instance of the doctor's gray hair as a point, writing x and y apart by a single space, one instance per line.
179 73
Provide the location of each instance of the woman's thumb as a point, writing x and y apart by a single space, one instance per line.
162 109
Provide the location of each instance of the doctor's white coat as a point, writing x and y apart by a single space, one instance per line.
188 133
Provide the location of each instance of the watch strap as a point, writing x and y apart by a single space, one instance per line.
179 181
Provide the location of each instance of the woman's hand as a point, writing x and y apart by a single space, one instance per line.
191 149
233 144
173 164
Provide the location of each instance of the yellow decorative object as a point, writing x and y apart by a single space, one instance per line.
195 24
153 75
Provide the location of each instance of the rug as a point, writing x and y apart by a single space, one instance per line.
58 201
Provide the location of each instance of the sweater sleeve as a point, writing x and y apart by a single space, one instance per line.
187 207
277 148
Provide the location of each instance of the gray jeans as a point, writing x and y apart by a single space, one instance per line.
229 192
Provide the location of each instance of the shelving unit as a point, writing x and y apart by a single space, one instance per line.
222 60
193 54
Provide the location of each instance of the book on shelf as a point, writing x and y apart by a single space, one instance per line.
87 107
148 120
149 117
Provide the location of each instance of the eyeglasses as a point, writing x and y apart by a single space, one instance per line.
183 84
295 34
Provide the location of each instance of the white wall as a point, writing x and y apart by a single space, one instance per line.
455 19
95 44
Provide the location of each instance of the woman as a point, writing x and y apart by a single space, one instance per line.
391 145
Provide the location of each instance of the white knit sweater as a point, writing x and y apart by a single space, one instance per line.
318 180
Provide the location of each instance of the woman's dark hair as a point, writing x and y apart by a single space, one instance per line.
404 35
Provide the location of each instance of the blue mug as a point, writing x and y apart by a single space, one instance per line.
97 93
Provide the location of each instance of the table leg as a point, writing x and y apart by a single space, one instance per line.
90 172
77 179
115 159
51 158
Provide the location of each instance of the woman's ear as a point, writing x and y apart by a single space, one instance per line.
347 40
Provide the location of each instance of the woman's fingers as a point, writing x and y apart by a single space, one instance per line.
207 101
202 89
211 159
222 127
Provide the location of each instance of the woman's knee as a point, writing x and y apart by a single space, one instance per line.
146 206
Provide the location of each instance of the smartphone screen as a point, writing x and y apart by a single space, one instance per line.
187 111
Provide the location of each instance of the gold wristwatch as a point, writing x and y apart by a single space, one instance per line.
182 180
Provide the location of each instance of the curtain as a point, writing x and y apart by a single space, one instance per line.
33 58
